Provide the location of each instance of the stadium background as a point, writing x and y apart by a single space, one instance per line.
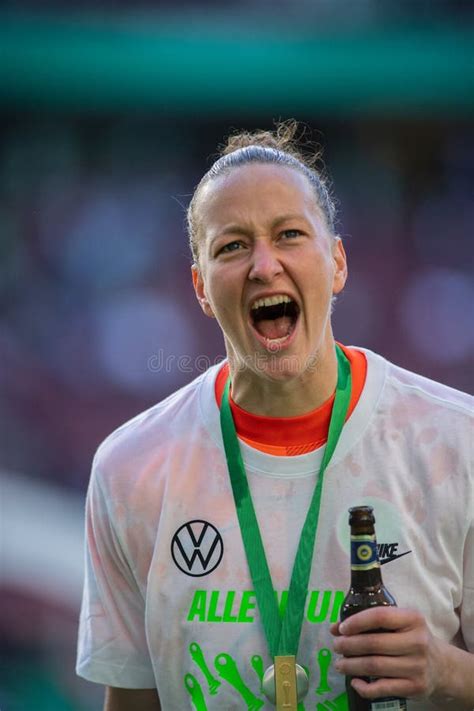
109 116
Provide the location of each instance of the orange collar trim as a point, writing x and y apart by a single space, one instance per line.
300 434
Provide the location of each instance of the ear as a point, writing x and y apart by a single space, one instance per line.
340 267
200 292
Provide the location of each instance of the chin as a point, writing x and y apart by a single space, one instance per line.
280 368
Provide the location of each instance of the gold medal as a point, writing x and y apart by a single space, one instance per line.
285 683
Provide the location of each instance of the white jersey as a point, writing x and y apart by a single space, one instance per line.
168 599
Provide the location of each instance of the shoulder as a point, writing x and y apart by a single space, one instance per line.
406 384
408 399
145 441
437 395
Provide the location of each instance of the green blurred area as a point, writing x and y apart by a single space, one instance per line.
35 687
228 67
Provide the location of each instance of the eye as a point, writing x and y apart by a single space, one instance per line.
291 234
233 246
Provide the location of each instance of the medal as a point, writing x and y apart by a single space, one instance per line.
285 683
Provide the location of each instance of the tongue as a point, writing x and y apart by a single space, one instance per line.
274 328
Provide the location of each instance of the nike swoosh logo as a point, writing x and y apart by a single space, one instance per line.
393 557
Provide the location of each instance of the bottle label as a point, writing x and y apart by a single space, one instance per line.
389 704
364 552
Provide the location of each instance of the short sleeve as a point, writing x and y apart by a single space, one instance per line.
112 646
467 608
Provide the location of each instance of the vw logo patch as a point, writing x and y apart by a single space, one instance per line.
197 548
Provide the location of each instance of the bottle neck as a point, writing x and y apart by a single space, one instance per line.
365 565
366 578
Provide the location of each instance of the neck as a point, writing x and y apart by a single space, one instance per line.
289 396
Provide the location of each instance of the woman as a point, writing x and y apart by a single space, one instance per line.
196 508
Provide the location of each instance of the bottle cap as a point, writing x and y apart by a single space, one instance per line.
361 514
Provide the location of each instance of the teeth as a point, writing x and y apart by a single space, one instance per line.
275 341
271 301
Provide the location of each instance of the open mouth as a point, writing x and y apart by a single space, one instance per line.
274 318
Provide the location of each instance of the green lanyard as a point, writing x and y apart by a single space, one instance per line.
282 635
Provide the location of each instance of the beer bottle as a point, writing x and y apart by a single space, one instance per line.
367 590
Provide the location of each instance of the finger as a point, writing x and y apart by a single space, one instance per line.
381 688
334 629
387 618
381 666
388 643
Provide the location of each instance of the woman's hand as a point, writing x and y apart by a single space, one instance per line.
396 646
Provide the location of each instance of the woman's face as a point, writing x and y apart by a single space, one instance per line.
267 268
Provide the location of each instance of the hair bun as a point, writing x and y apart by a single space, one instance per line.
289 136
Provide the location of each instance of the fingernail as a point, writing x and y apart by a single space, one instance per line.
342 627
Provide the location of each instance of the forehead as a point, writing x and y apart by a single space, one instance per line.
257 188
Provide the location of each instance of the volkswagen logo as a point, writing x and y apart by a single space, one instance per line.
197 548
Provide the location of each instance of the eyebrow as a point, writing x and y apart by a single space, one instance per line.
285 218
239 230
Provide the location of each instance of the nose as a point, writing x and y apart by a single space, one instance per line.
265 263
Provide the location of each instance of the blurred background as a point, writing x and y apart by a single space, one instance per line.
109 117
